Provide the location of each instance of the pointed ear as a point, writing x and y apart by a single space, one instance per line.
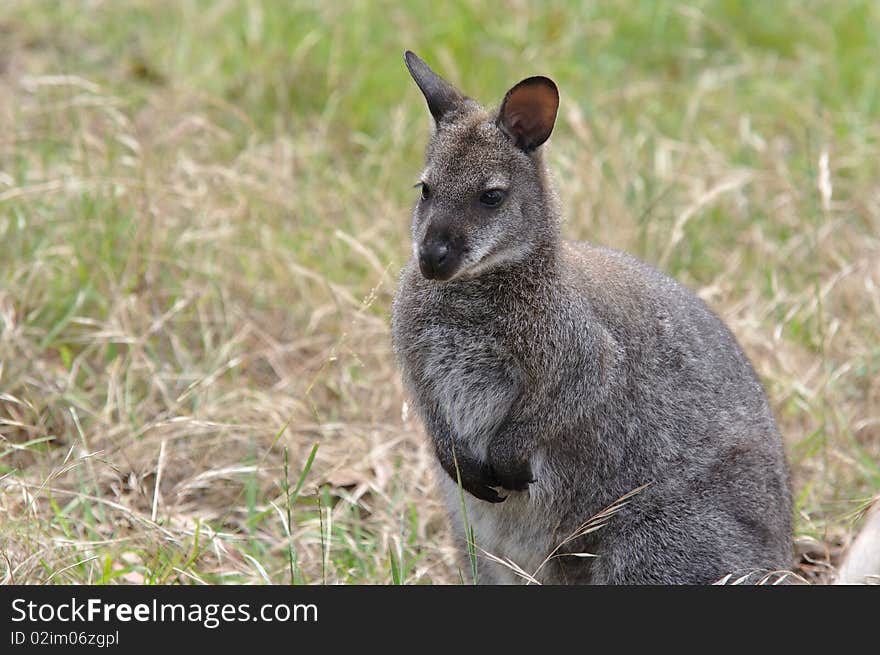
528 112
442 97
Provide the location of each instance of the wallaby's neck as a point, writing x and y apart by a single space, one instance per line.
542 261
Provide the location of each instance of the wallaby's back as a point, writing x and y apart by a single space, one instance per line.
556 377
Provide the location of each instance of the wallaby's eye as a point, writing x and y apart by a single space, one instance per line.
492 197
426 191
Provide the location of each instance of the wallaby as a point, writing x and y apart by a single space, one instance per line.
556 377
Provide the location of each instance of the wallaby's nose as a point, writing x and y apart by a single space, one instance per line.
434 260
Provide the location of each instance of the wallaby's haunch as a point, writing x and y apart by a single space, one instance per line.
555 377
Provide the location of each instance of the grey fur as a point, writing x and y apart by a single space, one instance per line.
554 377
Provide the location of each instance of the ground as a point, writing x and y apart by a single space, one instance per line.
204 207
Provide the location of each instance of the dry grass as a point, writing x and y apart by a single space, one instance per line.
183 373
195 285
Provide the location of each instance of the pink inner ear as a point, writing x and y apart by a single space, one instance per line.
529 112
520 122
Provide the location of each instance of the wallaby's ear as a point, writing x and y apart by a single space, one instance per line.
442 97
528 112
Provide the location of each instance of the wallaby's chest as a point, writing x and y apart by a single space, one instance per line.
468 372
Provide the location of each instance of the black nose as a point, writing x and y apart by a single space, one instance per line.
434 259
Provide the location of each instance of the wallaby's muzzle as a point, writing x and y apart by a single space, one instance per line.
438 260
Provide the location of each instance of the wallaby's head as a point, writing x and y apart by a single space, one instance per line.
485 200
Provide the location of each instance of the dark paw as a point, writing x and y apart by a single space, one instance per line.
517 477
474 475
480 479
483 491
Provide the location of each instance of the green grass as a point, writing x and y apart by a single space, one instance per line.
204 206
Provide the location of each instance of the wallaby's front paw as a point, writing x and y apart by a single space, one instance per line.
476 477
513 476
482 489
